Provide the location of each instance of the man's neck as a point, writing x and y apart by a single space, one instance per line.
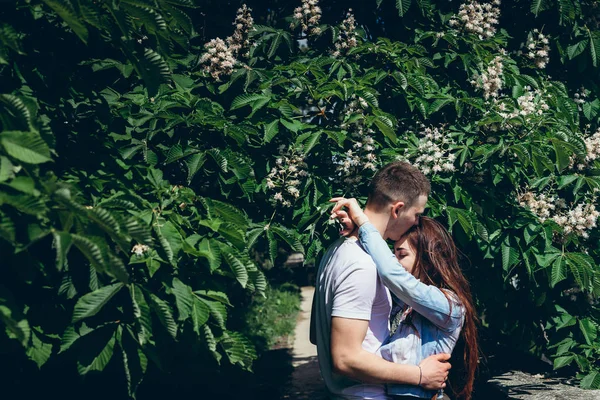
378 220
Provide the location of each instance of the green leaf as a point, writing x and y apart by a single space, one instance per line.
289 237
141 312
402 6
184 299
591 380
62 244
97 355
237 267
254 100
28 147
386 127
200 314
576 49
154 70
271 130
594 47
72 334
214 295
559 271
194 163
164 313
65 10
218 311
135 362
239 349
39 351
90 250
93 302
538 6
589 330
563 361
510 256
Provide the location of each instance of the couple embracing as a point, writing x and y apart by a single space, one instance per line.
386 323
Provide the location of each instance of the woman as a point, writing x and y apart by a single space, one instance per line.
433 307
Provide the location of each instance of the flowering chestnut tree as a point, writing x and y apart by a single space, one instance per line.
180 151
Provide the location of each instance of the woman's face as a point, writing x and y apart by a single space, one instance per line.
405 254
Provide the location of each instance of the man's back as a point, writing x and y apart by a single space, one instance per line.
348 287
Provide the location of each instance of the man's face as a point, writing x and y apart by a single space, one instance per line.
407 217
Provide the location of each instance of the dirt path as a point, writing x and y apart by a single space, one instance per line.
306 380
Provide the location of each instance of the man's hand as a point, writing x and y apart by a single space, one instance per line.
353 210
435 370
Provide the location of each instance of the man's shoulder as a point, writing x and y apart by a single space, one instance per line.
351 252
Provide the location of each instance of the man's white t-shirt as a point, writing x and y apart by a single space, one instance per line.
348 286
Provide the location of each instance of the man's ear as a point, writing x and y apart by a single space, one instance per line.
397 208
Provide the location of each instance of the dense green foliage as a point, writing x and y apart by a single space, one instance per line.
270 321
145 186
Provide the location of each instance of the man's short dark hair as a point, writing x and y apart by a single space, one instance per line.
397 181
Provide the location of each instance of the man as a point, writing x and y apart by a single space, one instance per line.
351 306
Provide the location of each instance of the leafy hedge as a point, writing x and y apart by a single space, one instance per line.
148 179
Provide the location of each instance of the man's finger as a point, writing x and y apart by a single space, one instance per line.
335 199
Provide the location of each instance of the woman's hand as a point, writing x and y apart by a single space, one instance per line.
352 208
347 227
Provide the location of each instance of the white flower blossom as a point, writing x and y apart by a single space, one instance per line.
307 17
219 59
360 161
347 36
491 79
244 24
286 177
478 18
578 220
537 44
433 154
140 249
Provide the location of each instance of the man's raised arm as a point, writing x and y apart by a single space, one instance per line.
351 360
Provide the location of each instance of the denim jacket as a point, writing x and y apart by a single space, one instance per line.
435 325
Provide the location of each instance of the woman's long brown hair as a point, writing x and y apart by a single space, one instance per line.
437 264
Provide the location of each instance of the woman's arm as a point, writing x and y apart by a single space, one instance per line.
427 300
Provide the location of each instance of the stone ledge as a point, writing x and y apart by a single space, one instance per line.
522 386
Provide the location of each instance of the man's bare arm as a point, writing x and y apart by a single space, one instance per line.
351 360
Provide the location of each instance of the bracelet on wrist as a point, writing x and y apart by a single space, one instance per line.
420 375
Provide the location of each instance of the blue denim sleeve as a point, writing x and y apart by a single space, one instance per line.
427 300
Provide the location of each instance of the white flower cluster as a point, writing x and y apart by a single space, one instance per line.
219 58
140 249
578 220
308 16
360 158
542 205
592 145
537 49
347 36
491 79
478 18
351 168
244 24
433 153
580 97
530 103
285 178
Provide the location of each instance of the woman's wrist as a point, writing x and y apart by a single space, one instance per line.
361 220
420 375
